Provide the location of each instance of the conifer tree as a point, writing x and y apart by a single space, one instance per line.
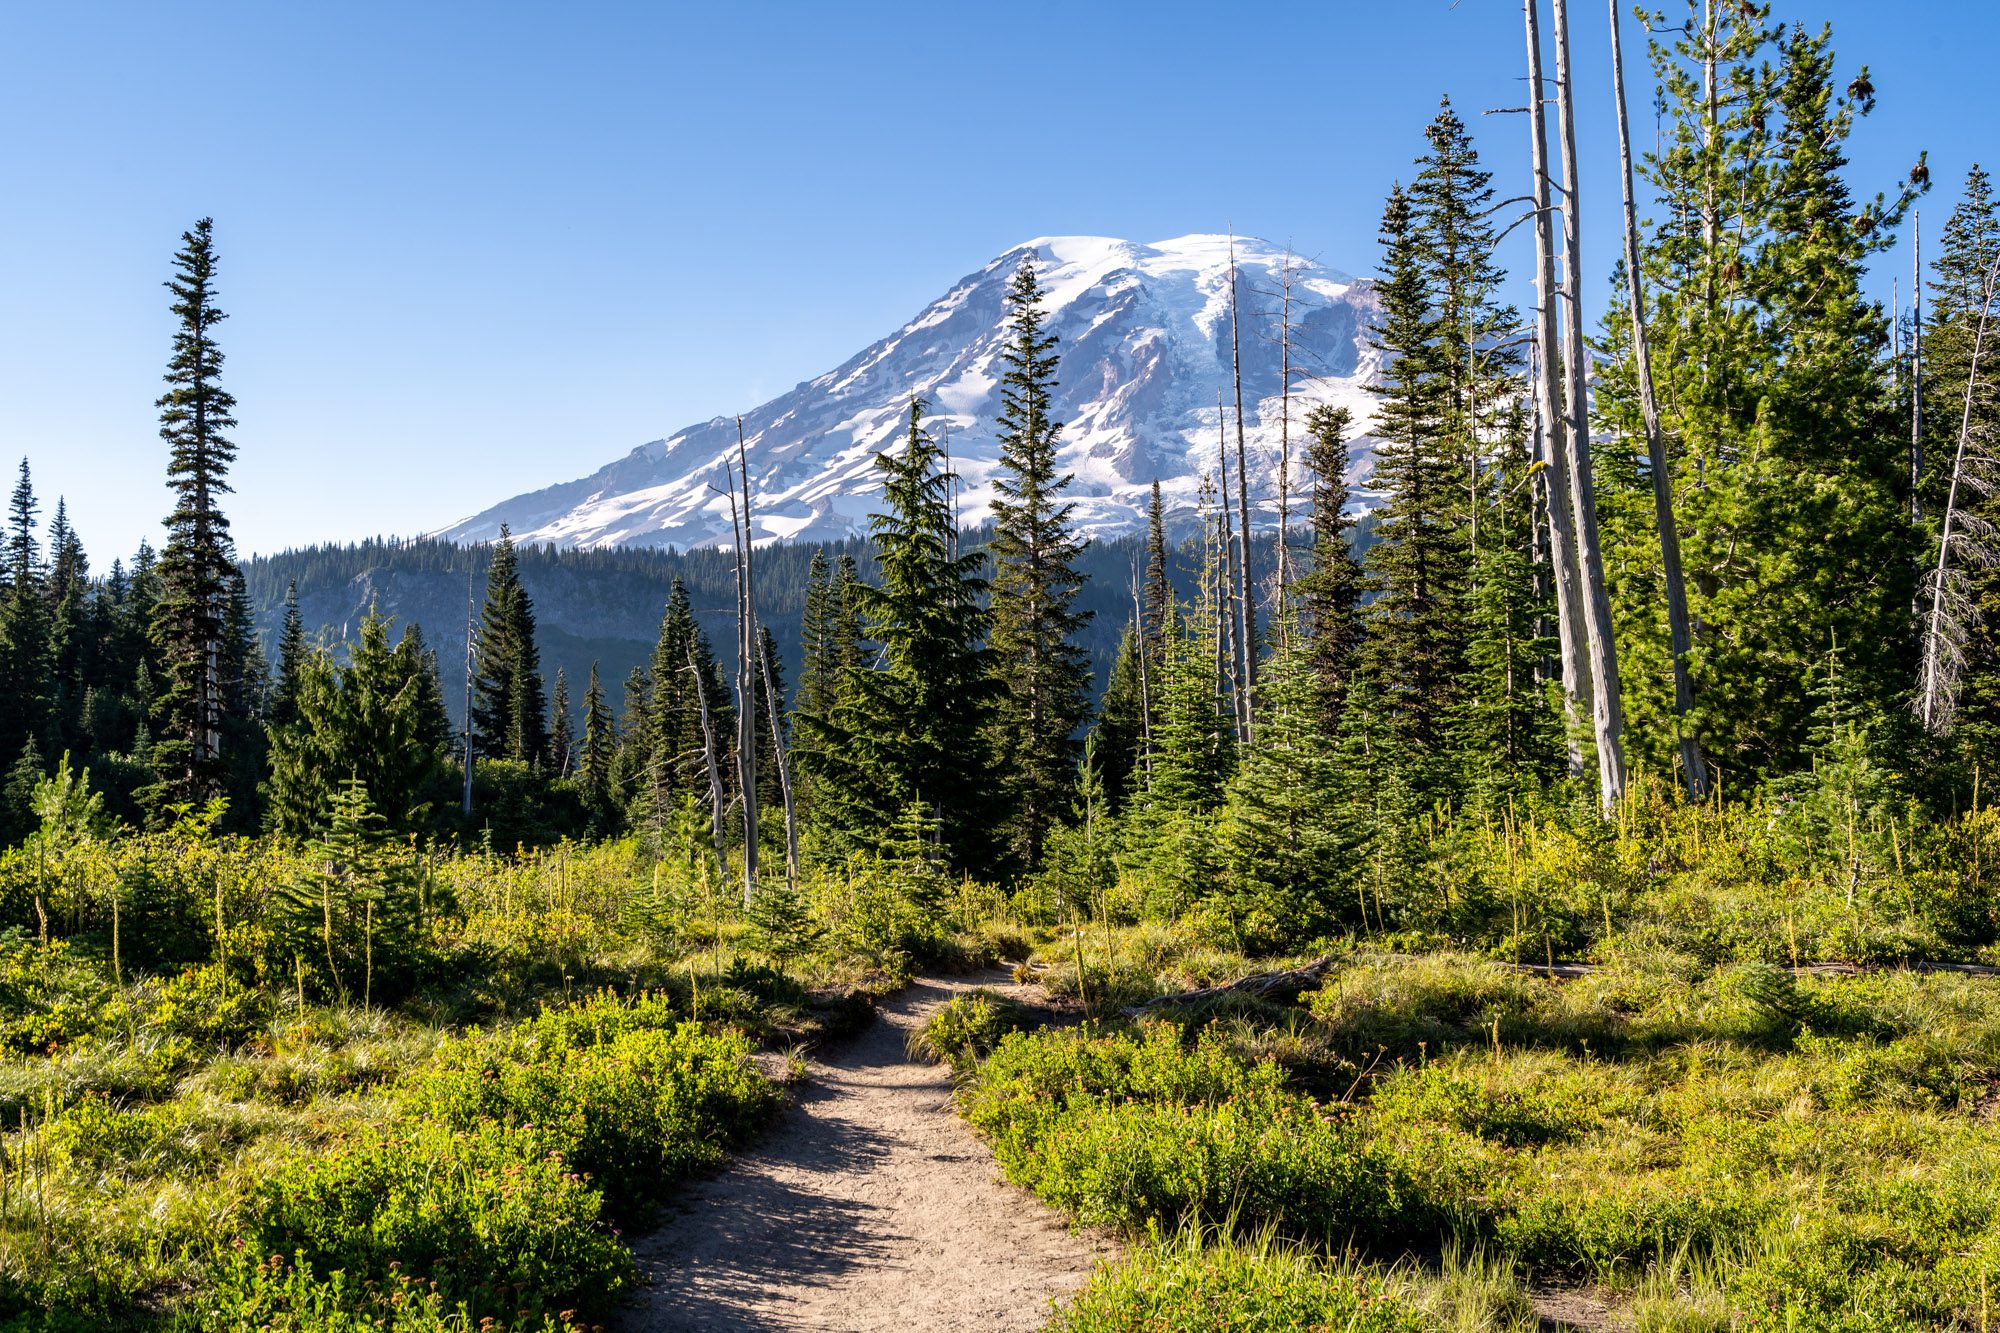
1417 626
74 633
1159 582
600 740
291 659
509 715
1329 596
916 728
197 621
1120 735
561 737
24 627
1044 674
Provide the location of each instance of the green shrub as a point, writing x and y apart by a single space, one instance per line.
493 1214
632 1110
966 1028
277 1295
1186 1288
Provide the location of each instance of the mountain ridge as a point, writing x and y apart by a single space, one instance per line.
1143 379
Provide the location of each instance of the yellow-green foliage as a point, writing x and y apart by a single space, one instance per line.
1817 1151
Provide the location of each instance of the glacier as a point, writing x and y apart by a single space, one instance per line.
1145 395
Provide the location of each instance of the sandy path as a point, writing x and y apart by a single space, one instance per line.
869 1206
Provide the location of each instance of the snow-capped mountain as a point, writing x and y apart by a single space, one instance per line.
1144 344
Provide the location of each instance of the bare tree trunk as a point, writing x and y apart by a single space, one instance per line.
1916 362
746 675
1939 641
1227 603
780 751
1145 675
1287 279
1694 769
1607 709
1576 678
1246 608
711 756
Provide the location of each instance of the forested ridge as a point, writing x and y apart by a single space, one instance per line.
1608 815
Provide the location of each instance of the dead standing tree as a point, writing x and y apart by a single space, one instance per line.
1951 609
1246 608
1607 708
1576 679
1694 769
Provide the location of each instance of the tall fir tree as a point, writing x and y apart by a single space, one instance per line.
291 660
1420 565
24 628
1045 675
915 733
562 738
600 740
509 713
1330 593
197 623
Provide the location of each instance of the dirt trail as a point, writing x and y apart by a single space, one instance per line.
869 1206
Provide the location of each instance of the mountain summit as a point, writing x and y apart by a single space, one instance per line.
1145 359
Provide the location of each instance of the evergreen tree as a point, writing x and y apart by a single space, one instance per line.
1417 640
561 737
1034 620
1118 751
1329 595
914 733
1159 582
509 714
291 659
685 676
74 633
600 740
24 627
364 721
1284 849
196 621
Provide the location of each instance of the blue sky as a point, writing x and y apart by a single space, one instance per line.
471 250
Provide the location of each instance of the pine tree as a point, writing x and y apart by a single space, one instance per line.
194 622
291 658
24 627
1284 847
74 633
1329 596
1417 624
1118 750
509 714
1044 674
600 740
1159 582
916 728
561 738
685 678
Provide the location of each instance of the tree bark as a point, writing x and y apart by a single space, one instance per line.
1694 769
1246 609
1607 709
1576 678
1935 708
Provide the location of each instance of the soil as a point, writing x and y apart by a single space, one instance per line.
869 1207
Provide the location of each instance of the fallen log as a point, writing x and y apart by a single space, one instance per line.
1262 986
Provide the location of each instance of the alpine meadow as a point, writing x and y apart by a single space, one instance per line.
1182 790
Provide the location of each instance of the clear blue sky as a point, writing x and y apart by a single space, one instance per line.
473 249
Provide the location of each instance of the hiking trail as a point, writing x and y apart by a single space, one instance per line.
868 1207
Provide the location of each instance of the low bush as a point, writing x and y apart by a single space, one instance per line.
1188 1288
493 1214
